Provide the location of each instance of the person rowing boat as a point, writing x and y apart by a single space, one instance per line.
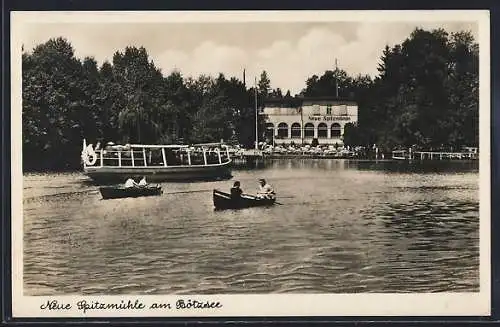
266 191
236 191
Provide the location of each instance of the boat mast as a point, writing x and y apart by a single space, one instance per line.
256 118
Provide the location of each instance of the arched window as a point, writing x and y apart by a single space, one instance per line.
336 130
309 130
282 130
295 130
322 130
269 131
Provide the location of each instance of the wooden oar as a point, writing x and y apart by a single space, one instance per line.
195 191
200 191
180 192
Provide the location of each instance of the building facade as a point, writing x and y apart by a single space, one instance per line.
302 120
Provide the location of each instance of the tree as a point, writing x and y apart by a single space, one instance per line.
326 84
352 135
426 87
463 90
141 83
57 110
213 120
264 85
110 99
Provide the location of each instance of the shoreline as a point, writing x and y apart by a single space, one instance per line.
359 158
281 157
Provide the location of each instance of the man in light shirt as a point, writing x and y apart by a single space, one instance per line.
266 190
143 182
130 183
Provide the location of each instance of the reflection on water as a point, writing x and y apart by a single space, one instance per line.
341 227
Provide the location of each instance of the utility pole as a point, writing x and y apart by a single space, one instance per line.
256 118
336 80
302 130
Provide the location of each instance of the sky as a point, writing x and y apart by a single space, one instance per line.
290 52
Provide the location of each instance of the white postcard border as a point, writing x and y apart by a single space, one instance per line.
436 304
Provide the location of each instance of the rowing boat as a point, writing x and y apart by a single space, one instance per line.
223 200
117 192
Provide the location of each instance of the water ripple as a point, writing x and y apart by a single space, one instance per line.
346 228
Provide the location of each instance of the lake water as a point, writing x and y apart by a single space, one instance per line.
341 227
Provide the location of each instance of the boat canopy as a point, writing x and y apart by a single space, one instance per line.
173 146
149 146
149 155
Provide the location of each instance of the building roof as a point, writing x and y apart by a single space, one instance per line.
286 101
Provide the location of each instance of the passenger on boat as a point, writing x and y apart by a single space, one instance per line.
236 191
143 182
266 191
130 183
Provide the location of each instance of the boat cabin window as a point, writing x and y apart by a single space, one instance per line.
154 157
197 157
212 157
173 157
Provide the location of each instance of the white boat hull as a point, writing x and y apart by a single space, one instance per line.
107 174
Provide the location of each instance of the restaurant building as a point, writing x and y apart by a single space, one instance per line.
303 119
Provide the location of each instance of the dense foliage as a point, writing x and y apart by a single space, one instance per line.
126 101
426 94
